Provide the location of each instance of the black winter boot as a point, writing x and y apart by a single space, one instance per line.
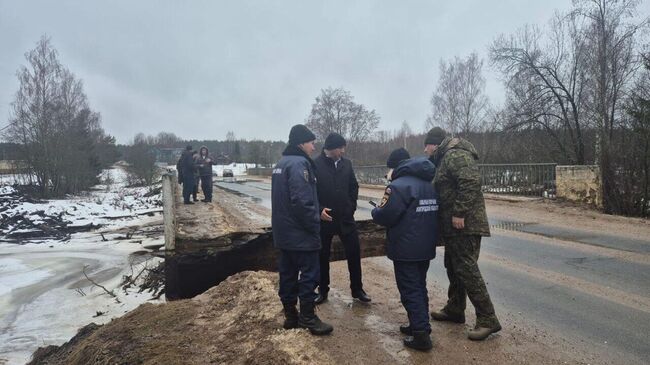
308 319
290 316
419 340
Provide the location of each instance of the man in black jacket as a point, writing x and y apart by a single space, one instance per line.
185 168
338 191
295 218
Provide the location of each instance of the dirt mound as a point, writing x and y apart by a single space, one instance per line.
235 322
240 320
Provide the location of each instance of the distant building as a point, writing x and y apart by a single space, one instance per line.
223 159
12 166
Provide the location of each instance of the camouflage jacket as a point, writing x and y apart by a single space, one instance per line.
458 184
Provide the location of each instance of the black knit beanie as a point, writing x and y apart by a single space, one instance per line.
435 136
334 141
300 134
396 157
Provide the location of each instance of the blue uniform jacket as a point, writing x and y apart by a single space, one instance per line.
295 212
409 211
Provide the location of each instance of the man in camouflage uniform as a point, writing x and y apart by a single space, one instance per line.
463 222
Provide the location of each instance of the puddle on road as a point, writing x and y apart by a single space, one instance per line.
574 235
391 343
238 193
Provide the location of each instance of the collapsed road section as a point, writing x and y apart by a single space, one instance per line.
207 242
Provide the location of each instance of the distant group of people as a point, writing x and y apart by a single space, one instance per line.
194 167
429 201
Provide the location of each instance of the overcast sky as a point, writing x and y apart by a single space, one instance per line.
201 68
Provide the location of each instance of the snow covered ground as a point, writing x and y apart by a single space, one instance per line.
109 205
44 295
238 169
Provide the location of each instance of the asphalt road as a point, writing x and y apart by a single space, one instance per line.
579 286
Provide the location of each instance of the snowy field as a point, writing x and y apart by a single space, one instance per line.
44 294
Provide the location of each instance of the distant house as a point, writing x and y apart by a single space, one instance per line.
223 159
12 166
167 155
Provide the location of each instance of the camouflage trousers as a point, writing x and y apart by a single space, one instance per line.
465 280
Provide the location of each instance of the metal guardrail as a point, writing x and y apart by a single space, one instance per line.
371 175
534 179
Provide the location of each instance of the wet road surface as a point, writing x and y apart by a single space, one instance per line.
579 286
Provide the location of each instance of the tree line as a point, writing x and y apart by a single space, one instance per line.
577 92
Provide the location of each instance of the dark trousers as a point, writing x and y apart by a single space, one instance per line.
206 186
188 187
196 187
299 273
465 280
411 278
352 254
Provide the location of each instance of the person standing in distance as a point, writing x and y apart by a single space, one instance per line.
338 191
295 218
409 211
205 173
463 222
186 168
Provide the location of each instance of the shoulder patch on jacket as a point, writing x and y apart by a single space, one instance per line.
305 173
384 199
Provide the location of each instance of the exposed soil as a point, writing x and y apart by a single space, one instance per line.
239 322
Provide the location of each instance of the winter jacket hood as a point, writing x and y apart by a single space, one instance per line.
419 167
207 151
455 143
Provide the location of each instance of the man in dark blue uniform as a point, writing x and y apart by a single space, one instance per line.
296 231
338 192
409 212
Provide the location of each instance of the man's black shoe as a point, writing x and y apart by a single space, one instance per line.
321 298
445 317
406 329
188 203
308 319
361 295
420 340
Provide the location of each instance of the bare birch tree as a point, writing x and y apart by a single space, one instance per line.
613 61
57 134
459 103
336 111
